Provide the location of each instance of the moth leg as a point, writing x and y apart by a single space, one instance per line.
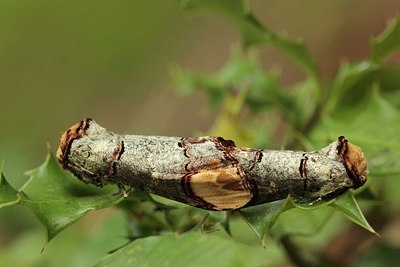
121 190
315 201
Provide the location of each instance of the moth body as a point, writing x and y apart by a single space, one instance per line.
209 172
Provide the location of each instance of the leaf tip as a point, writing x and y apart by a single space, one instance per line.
348 206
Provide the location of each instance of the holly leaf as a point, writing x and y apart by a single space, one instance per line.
241 81
387 43
254 33
262 217
388 78
58 199
190 249
222 218
350 84
347 204
8 195
311 224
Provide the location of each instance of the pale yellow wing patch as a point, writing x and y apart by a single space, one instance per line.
222 188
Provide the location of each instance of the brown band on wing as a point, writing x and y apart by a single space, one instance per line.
188 191
220 183
111 167
219 189
303 170
228 147
75 132
260 155
185 181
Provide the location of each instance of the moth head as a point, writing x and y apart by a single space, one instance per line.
354 161
74 133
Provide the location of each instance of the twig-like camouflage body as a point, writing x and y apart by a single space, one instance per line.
210 172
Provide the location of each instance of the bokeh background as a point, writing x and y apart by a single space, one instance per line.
61 61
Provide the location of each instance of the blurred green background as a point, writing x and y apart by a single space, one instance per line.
61 61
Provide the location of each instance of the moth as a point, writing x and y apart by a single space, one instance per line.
210 172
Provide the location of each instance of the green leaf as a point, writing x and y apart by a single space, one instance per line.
190 249
253 32
297 51
347 204
221 217
350 84
241 81
388 78
186 82
184 218
303 221
8 195
307 96
387 43
262 217
58 199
